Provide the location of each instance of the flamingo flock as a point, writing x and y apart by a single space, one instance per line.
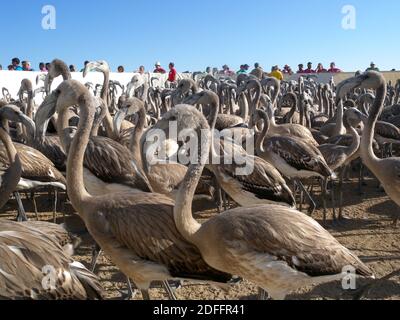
267 154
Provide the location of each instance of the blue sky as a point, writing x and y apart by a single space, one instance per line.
197 34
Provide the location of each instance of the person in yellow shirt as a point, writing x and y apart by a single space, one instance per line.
276 73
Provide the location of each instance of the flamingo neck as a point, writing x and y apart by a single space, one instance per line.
75 184
108 120
339 121
261 137
11 177
185 223
134 144
355 144
367 151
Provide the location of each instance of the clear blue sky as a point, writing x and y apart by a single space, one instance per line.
196 34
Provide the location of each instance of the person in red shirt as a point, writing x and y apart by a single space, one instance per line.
309 68
287 70
158 68
321 69
333 68
172 72
301 70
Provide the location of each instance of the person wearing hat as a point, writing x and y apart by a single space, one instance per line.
309 68
321 69
158 68
333 68
301 68
276 73
287 70
243 69
372 67
226 71
172 72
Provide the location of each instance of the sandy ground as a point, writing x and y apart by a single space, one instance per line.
369 233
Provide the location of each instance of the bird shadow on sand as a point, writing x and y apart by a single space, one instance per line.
387 208
384 290
349 225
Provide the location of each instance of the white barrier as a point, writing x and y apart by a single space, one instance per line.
12 80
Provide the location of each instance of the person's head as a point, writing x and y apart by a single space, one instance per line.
320 66
141 69
86 62
309 65
225 67
158 65
256 65
275 68
246 67
373 65
171 65
121 69
26 65
10 67
15 62
301 66
1 67
333 65
48 65
72 68
208 69
41 66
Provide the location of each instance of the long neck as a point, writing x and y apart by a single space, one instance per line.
108 120
261 137
339 120
76 187
294 107
29 109
5 125
277 90
367 151
134 144
104 89
355 144
98 120
11 177
244 109
62 125
254 103
301 108
185 223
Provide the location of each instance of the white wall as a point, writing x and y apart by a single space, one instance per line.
12 80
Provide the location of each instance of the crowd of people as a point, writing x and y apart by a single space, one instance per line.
17 65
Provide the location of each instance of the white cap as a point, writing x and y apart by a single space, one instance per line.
158 63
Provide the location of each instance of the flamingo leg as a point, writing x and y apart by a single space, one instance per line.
21 211
96 252
168 289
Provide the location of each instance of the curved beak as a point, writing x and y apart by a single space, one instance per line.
118 118
346 86
91 66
